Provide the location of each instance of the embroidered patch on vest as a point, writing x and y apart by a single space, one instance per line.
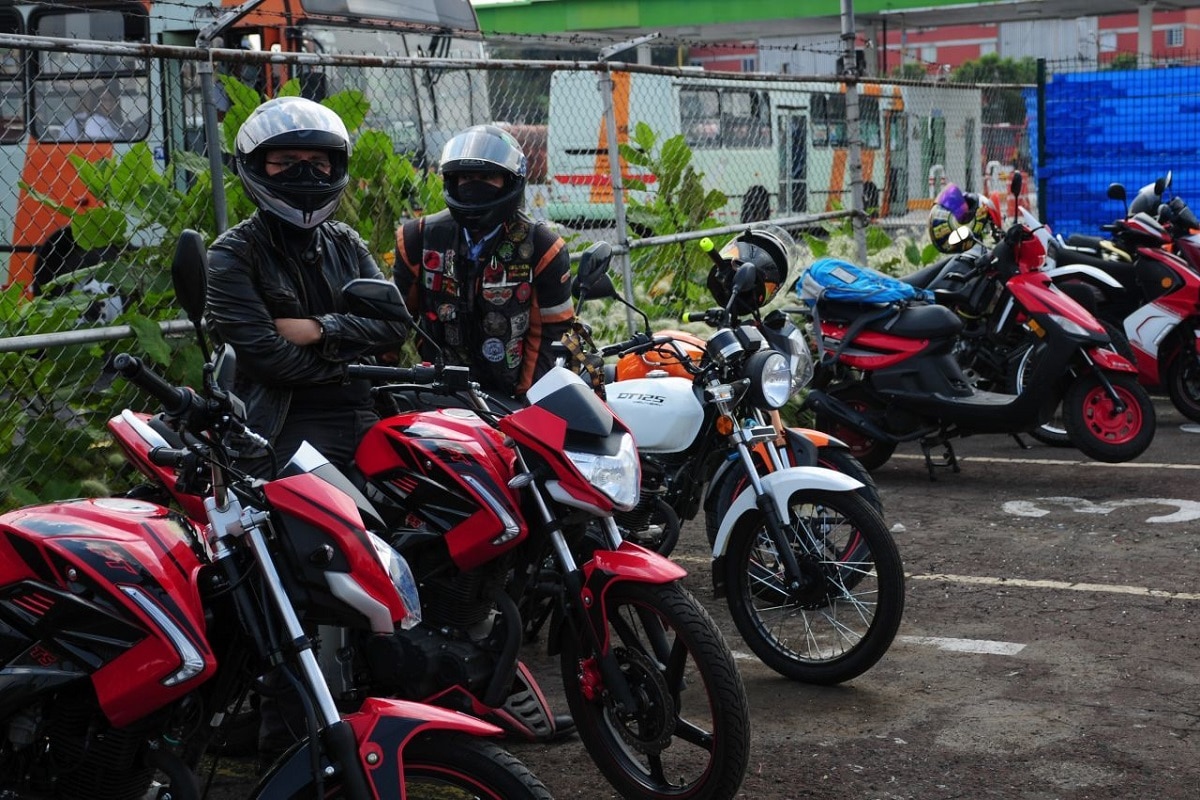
493 350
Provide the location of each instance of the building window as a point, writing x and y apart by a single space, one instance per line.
986 48
1175 36
929 53
750 64
1108 42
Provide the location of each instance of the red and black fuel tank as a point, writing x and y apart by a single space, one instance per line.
449 470
105 588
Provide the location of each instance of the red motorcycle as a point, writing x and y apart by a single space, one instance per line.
128 629
1144 280
494 511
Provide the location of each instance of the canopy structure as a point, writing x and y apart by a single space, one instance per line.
724 21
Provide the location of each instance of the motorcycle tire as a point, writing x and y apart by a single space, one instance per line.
1183 383
443 765
1096 430
871 453
689 734
846 614
1054 432
843 461
662 532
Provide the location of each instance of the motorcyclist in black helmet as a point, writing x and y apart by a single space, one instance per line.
485 281
493 288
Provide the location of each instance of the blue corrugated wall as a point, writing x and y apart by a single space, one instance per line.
1116 126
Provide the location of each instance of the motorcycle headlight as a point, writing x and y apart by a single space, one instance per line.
770 375
801 361
402 578
618 475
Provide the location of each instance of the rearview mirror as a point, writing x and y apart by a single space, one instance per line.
592 279
189 274
376 298
1116 191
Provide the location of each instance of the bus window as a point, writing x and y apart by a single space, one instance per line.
869 128
836 110
12 85
86 96
700 117
745 119
819 120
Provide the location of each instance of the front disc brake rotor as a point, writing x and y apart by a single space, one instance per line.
648 728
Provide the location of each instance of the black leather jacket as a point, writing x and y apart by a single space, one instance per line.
254 278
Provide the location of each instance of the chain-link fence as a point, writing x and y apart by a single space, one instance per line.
1129 123
103 155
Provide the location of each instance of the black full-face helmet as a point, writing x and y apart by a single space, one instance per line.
487 150
302 196
770 250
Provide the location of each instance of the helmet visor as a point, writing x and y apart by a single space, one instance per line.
952 199
483 151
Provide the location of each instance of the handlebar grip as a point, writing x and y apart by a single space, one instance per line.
706 244
419 374
167 456
696 316
176 400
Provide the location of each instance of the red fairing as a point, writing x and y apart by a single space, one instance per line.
311 499
872 350
137 451
420 454
545 433
1034 292
91 548
1111 360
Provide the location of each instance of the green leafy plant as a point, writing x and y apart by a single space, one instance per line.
57 400
670 276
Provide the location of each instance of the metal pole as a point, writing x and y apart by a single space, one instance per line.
212 126
605 86
858 221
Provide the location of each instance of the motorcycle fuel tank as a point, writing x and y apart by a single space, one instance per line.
663 413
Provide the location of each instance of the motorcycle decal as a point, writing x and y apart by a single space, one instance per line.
495 324
498 296
639 397
493 350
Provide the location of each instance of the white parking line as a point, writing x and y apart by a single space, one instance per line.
1022 583
1059 462
981 646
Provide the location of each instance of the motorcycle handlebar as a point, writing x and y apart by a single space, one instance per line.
176 401
422 374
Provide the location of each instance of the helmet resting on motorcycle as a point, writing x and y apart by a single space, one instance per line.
954 210
303 195
770 250
479 206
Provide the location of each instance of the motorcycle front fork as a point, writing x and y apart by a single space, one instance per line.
766 504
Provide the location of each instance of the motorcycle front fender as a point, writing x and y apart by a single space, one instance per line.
630 562
1111 360
381 728
780 486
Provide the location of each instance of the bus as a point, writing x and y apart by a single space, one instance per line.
43 93
773 147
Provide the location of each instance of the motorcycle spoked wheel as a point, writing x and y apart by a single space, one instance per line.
1183 383
1095 427
689 734
443 765
845 617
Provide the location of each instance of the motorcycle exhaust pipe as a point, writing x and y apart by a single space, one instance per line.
822 402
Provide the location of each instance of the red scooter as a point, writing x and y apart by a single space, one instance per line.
887 373
127 630
1145 280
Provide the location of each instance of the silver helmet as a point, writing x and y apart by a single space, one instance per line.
302 196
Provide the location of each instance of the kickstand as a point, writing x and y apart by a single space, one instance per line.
948 460
1021 443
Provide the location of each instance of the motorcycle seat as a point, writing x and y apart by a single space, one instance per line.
1126 273
916 321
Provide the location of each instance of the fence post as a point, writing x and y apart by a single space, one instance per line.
858 219
605 87
1041 139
